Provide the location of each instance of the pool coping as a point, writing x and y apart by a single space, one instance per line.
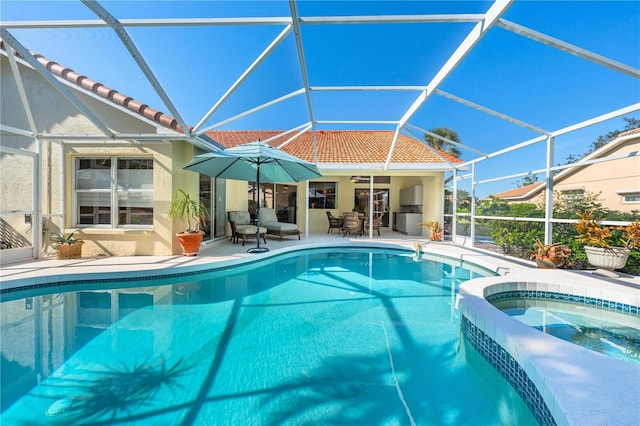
579 386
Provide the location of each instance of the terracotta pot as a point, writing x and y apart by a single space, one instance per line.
545 262
190 242
607 259
66 251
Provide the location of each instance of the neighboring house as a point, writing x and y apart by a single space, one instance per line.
618 182
117 189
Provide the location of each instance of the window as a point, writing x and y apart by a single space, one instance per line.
114 192
574 194
322 195
631 198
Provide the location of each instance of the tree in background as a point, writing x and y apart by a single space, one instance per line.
441 145
526 180
602 140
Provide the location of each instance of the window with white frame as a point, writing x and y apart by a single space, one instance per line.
631 197
322 195
113 192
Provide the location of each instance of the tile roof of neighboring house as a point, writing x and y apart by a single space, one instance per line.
518 192
333 146
528 191
339 146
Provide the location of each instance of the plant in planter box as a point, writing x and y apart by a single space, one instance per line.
607 247
193 211
550 255
68 247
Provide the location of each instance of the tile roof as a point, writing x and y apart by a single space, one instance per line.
528 191
333 146
339 146
103 91
519 192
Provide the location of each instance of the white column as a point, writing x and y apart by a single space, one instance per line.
370 230
473 204
548 213
36 203
454 204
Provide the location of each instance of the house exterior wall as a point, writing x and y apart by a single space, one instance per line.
54 114
609 178
431 209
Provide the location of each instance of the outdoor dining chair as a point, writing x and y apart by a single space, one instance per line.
334 222
352 224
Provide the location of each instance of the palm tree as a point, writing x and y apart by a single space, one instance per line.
441 145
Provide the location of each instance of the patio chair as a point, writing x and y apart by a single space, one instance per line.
377 223
269 219
334 222
241 227
352 224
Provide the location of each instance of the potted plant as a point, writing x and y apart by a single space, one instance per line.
68 247
550 255
193 211
435 229
607 247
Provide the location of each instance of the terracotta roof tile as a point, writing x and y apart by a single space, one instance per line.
339 146
518 192
103 91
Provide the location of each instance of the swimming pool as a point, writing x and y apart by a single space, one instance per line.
606 331
358 336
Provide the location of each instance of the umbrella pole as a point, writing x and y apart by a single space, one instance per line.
258 249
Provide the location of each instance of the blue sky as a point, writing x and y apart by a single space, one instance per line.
505 72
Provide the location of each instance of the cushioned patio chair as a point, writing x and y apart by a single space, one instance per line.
269 220
352 224
334 222
241 227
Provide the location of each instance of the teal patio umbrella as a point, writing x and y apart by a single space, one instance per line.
254 161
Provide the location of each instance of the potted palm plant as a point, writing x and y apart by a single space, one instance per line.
607 247
68 247
193 211
550 255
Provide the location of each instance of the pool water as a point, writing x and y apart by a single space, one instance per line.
612 333
341 336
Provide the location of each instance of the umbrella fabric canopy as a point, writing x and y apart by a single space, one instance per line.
254 161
